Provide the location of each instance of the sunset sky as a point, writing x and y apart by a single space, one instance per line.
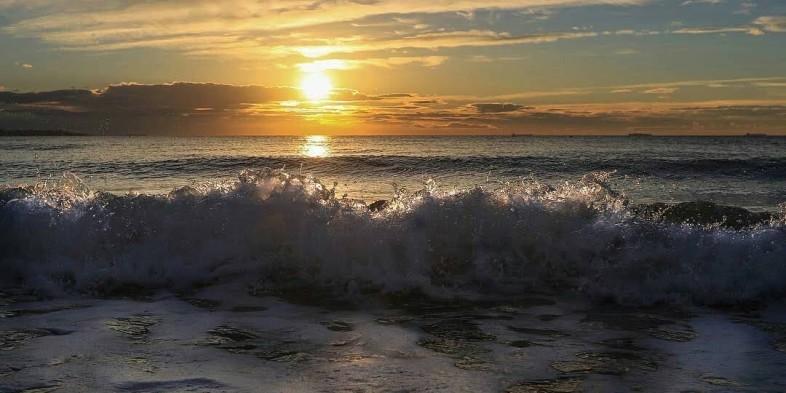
394 67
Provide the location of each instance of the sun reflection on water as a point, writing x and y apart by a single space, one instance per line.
316 146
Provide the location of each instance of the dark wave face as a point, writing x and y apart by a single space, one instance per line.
750 169
274 231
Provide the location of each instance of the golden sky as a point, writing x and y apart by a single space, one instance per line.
394 67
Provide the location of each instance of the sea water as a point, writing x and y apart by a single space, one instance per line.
492 264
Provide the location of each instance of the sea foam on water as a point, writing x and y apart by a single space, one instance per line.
275 230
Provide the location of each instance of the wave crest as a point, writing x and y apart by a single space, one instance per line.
275 230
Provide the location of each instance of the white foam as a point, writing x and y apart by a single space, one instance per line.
273 229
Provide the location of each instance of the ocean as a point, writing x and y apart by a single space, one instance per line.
515 264
741 171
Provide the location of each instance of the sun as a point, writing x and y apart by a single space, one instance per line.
316 86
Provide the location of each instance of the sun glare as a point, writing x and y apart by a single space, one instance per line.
316 146
316 86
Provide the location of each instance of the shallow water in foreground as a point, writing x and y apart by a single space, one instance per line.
222 339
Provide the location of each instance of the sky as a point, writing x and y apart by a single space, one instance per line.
194 67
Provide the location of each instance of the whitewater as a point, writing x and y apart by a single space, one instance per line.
273 228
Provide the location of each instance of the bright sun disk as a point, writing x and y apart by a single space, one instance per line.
316 86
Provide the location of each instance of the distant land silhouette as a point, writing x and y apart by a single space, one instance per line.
39 133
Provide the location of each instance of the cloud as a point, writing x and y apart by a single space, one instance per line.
775 24
641 90
693 2
55 97
198 108
696 118
662 90
324 65
492 38
26 66
540 14
771 84
719 30
425 61
396 95
746 7
702 82
432 41
461 125
387 62
497 107
175 108
495 59
259 28
772 24
174 98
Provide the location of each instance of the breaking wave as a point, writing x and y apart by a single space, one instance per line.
275 230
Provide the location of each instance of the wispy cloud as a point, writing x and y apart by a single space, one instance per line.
662 90
694 2
745 8
250 27
625 52
497 107
702 82
386 62
771 84
719 30
772 23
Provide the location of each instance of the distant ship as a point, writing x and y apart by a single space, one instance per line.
639 134
755 134
515 135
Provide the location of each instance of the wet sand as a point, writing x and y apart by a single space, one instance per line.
225 340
